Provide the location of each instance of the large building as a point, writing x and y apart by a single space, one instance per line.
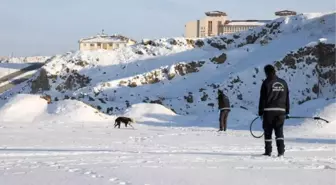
217 23
207 26
105 42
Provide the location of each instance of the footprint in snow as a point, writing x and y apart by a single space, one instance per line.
113 179
73 170
124 183
19 173
88 173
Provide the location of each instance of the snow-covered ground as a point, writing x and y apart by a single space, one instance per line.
69 143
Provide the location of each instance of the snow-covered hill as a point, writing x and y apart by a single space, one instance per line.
184 74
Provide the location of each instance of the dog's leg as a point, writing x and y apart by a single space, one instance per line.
117 123
131 125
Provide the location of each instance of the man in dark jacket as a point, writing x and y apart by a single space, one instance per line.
273 109
224 108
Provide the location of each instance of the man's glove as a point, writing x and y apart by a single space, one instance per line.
260 116
287 116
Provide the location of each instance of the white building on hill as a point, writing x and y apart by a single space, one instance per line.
106 42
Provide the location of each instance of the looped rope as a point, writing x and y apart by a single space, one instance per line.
291 117
252 131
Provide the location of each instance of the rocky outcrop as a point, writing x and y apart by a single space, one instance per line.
186 68
164 73
40 83
199 43
321 55
73 81
220 59
47 98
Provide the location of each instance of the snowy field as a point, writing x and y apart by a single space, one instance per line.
69 143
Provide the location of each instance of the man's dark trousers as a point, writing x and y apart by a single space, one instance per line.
223 119
273 120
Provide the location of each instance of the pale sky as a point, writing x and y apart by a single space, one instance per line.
48 27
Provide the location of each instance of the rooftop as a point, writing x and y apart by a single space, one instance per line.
103 38
285 13
215 13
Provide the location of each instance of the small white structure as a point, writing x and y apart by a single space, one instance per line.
106 42
240 25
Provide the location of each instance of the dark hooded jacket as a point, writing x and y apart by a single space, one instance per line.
274 95
223 102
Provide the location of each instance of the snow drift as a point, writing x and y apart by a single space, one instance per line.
32 108
315 108
23 108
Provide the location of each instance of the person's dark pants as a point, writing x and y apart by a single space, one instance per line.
274 121
223 119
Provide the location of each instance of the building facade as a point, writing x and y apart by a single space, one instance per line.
239 25
105 42
207 26
217 23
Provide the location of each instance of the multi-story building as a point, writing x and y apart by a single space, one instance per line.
217 23
106 42
207 26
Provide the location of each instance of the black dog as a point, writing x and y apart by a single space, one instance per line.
124 120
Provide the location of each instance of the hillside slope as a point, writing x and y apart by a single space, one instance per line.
184 74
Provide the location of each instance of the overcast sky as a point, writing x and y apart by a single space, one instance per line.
47 27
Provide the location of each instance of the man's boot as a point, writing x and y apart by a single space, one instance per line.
268 148
280 147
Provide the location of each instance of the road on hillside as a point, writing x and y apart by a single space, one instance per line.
15 82
32 67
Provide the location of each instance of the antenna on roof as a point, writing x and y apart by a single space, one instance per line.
102 31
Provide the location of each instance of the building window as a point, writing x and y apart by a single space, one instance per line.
110 44
117 45
219 27
91 45
99 44
84 44
209 27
